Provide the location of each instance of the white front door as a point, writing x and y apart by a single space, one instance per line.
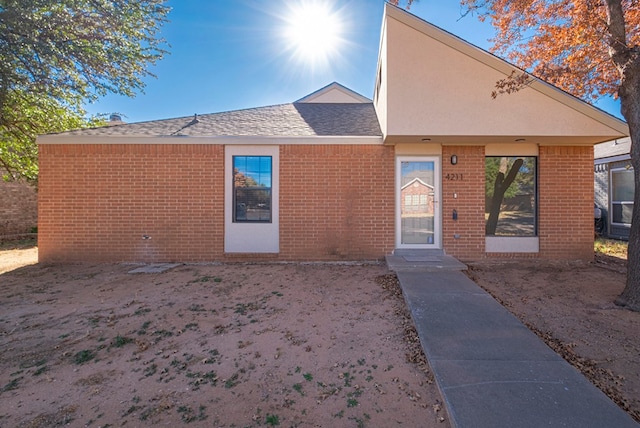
418 218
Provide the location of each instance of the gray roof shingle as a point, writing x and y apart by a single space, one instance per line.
288 120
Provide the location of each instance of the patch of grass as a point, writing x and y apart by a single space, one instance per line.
243 308
19 244
196 307
209 377
272 420
143 329
144 415
205 278
298 388
162 333
179 365
346 376
27 364
611 247
120 341
187 414
13 384
141 311
360 422
352 402
151 370
308 377
130 410
232 381
83 356
40 370
191 326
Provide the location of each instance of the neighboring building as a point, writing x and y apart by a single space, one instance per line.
614 187
322 178
18 210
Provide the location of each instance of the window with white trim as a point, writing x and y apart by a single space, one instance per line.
622 191
511 196
252 189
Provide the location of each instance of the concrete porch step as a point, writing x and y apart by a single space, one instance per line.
423 260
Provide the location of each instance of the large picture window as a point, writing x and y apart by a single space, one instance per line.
622 190
511 196
252 188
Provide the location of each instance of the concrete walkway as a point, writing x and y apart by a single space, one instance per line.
491 370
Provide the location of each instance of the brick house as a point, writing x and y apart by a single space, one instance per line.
18 210
322 178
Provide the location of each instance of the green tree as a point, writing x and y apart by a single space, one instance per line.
57 55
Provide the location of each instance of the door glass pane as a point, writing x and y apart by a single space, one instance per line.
417 202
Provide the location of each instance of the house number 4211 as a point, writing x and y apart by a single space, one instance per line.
454 177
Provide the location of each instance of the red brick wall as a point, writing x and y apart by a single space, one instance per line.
18 208
565 179
336 202
565 203
97 201
466 179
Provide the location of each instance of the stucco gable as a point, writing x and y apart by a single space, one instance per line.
334 93
434 85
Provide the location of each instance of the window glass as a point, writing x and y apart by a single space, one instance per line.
622 189
252 188
622 184
511 196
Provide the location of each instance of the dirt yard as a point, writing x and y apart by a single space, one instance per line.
570 306
209 345
270 345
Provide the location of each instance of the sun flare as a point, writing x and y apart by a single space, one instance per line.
313 31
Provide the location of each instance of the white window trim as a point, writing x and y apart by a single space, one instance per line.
513 244
611 201
251 237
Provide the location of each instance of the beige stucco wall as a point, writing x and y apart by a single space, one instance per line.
437 85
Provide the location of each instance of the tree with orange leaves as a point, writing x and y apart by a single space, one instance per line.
589 48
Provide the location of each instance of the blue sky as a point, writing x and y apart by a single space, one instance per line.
229 55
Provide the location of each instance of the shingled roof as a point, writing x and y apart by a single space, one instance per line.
288 120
